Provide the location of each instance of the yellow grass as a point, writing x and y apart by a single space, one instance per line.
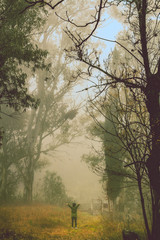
46 222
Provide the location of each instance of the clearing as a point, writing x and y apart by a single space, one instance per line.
41 222
47 222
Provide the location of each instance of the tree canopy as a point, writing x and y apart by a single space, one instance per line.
18 52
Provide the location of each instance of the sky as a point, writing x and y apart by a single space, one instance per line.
109 30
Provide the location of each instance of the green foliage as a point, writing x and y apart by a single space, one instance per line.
54 189
18 50
93 160
108 160
10 155
113 156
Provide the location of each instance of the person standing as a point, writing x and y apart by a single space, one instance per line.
74 208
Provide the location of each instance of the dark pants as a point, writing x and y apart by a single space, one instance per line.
74 221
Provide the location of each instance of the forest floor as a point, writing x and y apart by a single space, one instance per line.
46 222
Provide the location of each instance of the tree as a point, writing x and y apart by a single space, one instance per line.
18 55
109 161
54 189
9 177
22 58
10 154
127 142
52 119
18 52
42 3
19 58
113 155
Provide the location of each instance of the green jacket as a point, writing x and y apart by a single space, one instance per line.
73 210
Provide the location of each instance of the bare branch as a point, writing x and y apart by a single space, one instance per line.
114 41
41 3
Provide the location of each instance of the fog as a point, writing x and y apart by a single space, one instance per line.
80 182
78 96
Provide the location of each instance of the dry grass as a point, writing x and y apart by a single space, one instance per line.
46 222
112 230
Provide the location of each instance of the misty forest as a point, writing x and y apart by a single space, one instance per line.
80 119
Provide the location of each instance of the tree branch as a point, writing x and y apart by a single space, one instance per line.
42 3
114 41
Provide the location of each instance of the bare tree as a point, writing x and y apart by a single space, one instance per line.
126 139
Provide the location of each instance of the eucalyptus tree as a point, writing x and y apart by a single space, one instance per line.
54 189
17 50
21 57
52 119
18 54
10 154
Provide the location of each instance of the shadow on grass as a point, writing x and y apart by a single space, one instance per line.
11 235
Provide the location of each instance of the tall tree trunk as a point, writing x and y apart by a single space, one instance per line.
3 187
152 91
153 163
3 194
28 193
143 207
34 140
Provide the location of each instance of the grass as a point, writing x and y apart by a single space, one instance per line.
41 222
112 230
46 222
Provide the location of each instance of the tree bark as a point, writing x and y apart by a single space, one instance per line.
3 182
3 187
152 91
28 196
153 162
143 208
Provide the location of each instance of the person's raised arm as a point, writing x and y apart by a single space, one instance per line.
68 205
